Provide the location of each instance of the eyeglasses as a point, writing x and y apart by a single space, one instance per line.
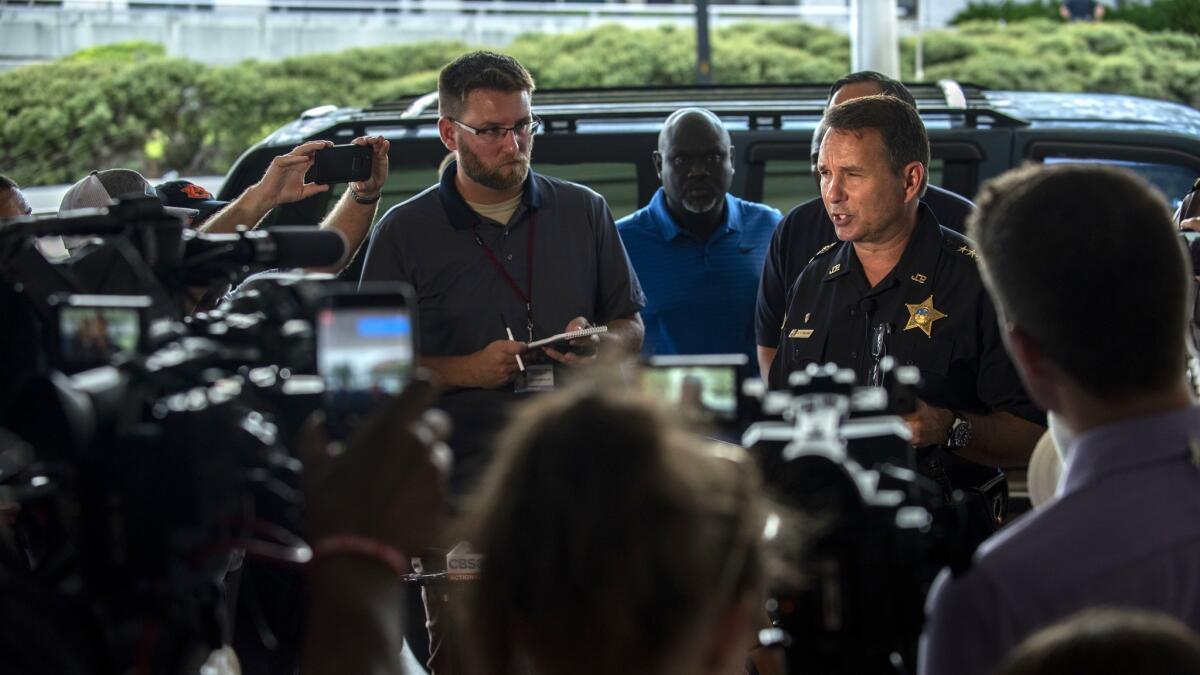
495 134
879 353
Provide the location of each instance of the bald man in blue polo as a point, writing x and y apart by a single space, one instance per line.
698 250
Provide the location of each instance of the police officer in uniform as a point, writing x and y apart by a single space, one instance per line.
899 284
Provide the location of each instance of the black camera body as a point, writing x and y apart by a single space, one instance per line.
142 483
876 531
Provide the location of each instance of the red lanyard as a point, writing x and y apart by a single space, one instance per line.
527 298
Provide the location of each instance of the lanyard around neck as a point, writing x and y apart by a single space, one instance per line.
525 296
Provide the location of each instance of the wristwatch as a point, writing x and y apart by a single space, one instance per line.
364 200
960 433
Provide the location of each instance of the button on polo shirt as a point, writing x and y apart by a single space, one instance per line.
700 294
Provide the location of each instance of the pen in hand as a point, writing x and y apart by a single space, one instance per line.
520 363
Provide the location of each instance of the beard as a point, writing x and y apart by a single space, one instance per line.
504 177
701 204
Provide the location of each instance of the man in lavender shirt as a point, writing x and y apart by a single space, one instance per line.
1091 285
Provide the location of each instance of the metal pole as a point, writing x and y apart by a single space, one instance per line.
703 49
919 70
874 43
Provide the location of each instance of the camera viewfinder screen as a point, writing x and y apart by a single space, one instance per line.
364 354
90 336
708 391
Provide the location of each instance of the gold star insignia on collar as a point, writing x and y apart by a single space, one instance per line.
922 316
969 252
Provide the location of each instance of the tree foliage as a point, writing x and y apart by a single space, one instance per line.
131 105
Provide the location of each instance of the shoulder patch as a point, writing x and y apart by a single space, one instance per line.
824 249
958 243
964 250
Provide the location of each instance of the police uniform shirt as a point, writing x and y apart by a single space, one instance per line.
931 311
806 230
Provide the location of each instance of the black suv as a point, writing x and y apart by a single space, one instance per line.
604 138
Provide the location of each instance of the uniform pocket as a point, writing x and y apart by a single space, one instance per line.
932 355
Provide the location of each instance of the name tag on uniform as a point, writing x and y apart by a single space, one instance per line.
801 333
538 377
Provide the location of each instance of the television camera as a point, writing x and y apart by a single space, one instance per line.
876 531
149 454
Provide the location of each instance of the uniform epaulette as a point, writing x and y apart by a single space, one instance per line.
962 248
824 249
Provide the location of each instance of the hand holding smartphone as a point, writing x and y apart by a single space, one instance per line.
366 350
340 164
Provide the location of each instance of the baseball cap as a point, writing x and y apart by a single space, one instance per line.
188 195
99 189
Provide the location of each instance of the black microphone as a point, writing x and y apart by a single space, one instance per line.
208 256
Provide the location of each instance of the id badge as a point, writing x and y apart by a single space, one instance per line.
539 377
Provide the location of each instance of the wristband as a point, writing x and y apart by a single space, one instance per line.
361 199
339 544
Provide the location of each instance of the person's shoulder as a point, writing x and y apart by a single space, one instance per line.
950 208
560 188
637 222
944 196
824 250
960 247
757 210
410 211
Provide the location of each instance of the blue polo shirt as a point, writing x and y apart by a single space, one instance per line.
700 295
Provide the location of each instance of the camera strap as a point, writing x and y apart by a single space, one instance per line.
525 296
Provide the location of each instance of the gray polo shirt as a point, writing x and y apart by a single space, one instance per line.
1124 531
580 267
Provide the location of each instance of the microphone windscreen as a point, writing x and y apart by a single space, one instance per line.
300 246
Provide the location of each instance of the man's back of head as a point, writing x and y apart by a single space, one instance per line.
1085 262
868 83
12 202
1108 642
479 70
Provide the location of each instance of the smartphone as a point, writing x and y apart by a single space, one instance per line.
703 386
366 350
340 164
93 329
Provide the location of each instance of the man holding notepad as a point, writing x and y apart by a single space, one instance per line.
496 250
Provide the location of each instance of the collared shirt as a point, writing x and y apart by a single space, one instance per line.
931 310
699 293
580 269
579 265
807 229
1124 531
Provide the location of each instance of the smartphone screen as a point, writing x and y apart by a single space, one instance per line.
704 386
365 356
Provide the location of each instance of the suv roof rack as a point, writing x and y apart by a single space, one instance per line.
762 105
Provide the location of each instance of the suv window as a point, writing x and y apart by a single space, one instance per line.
616 181
1173 180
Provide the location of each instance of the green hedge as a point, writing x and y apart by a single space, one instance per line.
1158 15
130 105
